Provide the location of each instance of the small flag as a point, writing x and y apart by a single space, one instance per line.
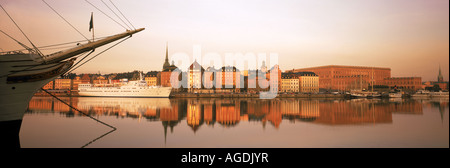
91 23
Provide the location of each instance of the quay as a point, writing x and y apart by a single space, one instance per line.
214 95
251 95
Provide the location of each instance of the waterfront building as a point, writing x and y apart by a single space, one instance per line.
151 80
166 73
337 77
308 82
443 85
49 86
404 83
251 79
63 84
75 82
305 82
85 79
195 72
253 83
289 83
230 78
275 83
209 78
99 80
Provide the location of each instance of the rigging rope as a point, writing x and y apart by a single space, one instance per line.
99 54
37 50
53 45
116 14
81 60
23 45
65 20
122 14
105 14
87 115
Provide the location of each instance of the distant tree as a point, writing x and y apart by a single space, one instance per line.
71 75
435 88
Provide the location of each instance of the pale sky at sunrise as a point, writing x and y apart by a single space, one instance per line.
409 36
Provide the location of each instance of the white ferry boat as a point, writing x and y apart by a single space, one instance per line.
439 94
127 89
422 94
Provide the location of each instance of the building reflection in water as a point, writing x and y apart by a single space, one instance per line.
230 112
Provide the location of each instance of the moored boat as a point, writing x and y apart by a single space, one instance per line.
421 94
439 94
126 89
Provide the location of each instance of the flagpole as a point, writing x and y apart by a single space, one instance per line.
92 16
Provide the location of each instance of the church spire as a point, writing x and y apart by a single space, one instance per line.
440 77
167 51
166 62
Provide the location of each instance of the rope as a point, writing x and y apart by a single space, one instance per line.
99 53
23 45
122 14
37 50
87 115
115 14
65 20
81 60
53 45
105 14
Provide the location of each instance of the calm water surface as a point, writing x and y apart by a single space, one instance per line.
247 123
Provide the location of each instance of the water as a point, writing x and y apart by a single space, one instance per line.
247 123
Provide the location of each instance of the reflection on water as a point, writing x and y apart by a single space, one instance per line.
197 114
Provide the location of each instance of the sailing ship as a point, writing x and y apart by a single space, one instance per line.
137 88
362 93
24 72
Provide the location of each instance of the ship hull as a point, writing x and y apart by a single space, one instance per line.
21 77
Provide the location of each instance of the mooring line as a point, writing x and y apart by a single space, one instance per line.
87 115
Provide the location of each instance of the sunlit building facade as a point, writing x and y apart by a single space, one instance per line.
289 83
308 82
151 80
404 83
304 82
337 77
63 84
195 73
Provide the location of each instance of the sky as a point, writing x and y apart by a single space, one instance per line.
409 36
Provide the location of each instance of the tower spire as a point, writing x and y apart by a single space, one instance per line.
167 51
440 77
166 62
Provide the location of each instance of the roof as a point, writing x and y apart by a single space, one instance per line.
196 65
297 74
340 66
